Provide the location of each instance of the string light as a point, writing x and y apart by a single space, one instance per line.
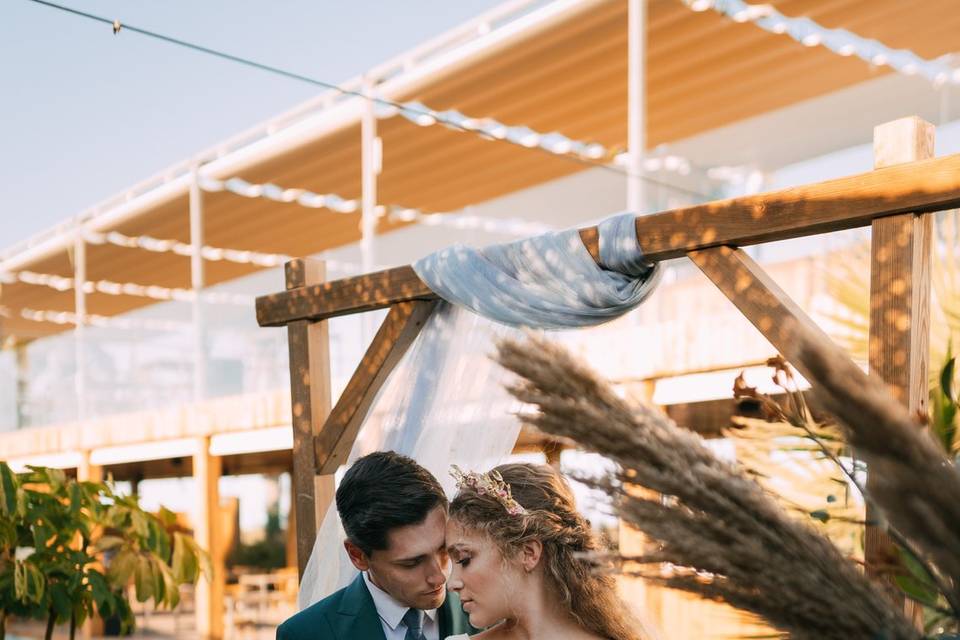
214 254
93 320
269 191
554 142
109 287
238 256
592 154
510 226
840 41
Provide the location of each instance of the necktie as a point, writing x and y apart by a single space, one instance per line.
413 618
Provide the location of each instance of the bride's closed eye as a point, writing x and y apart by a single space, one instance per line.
463 562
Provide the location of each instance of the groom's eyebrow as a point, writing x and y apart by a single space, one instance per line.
413 559
419 557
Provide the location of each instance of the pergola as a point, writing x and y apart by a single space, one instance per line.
559 67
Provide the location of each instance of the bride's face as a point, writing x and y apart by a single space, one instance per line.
485 581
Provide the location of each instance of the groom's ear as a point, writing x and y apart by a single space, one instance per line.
357 556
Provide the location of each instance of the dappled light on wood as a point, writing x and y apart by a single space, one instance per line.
340 297
396 334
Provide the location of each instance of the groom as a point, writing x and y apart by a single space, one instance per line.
394 513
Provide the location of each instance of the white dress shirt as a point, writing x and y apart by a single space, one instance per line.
391 614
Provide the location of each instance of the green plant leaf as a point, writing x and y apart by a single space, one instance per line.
121 568
167 517
8 487
99 589
139 521
184 563
946 378
143 578
156 574
76 498
60 601
917 590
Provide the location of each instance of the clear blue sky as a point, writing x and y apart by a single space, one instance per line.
86 113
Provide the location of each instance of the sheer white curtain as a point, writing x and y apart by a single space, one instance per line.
444 404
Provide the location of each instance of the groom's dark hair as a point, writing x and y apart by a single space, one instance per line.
382 491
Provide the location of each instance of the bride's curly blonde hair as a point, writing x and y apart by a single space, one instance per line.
551 518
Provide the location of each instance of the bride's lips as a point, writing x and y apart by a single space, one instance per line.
465 603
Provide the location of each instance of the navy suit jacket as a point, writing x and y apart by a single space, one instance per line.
349 614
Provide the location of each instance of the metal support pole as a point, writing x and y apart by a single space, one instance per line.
196 283
23 384
636 103
372 163
80 310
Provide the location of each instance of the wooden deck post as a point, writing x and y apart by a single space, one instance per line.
88 472
207 531
899 295
310 403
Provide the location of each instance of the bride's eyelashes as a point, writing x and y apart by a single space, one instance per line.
463 562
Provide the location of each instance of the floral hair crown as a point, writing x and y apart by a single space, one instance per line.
488 483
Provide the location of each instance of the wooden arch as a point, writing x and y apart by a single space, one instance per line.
896 200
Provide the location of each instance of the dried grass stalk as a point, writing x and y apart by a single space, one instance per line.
728 538
912 481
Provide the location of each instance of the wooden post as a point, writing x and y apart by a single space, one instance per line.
207 531
196 286
310 402
89 472
398 331
23 383
899 295
80 311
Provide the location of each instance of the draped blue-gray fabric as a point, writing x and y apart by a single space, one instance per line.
548 281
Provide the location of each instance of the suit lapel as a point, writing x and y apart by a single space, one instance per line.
443 618
357 617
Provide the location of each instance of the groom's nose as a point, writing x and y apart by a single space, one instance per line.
436 571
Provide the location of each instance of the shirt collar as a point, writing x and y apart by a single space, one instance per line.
389 608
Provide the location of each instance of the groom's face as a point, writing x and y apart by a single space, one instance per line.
414 566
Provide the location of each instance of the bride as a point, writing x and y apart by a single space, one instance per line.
518 544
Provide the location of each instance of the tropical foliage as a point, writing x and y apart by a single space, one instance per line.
70 549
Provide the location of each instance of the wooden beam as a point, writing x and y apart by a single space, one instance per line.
207 529
844 203
396 334
899 340
309 344
759 299
340 297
